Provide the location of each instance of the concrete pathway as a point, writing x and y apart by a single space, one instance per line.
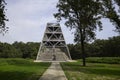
54 72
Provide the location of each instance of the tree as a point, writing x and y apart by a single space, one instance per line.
99 48
28 50
82 15
3 18
75 51
105 48
8 51
21 47
113 46
32 49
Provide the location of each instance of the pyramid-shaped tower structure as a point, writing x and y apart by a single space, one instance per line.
53 45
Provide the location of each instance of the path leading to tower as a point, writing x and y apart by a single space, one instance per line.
54 72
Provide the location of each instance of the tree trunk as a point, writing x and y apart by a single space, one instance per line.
83 50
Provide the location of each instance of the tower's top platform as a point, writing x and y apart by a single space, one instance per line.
53 25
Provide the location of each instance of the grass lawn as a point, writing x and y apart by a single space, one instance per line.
93 71
21 69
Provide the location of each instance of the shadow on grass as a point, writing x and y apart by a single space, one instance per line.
21 69
91 69
14 75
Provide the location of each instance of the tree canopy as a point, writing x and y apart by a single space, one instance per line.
3 18
111 10
19 50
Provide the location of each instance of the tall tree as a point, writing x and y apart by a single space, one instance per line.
8 51
82 15
3 18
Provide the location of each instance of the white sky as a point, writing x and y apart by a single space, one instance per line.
28 19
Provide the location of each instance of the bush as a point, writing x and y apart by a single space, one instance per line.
110 60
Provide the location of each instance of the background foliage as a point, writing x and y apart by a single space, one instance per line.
19 50
99 48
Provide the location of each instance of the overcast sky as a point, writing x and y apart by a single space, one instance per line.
28 19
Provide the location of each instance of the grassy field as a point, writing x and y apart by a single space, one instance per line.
21 69
93 71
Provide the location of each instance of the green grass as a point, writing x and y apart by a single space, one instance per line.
93 71
110 60
21 69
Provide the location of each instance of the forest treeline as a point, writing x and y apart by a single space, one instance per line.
99 48
19 50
